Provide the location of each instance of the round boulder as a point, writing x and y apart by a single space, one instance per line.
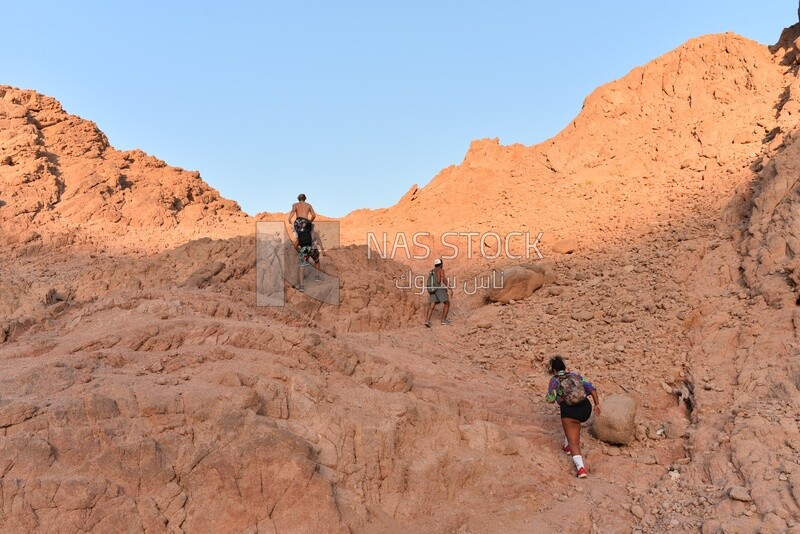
565 246
516 283
616 424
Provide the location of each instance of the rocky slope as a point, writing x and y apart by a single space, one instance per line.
671 123
143 390
61 182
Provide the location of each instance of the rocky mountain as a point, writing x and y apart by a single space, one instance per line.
142 389
703 108
61 181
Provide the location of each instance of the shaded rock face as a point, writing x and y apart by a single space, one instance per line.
146 479
770 243
617 422
180 406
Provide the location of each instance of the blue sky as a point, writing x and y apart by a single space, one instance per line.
348 102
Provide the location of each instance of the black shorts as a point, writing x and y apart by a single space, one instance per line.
580 412
302 225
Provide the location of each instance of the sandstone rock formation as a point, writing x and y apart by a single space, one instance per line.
143 390
61 182
666 126
616 423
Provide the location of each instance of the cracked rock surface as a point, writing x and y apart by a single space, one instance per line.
142 389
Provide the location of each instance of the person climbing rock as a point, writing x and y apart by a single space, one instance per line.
438 292
571 391
304 214
303 227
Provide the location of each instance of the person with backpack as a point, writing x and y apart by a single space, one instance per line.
437 292
303 242
571 391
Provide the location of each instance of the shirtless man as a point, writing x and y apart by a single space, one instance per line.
303 214
301 210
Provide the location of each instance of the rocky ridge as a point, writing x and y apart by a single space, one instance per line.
142 389
62 183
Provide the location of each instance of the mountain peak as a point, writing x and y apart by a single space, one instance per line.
59 176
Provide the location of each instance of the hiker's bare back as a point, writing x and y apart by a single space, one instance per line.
302 209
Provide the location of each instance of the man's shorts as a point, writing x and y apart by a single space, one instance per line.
302 256
305 253
301 224
439 296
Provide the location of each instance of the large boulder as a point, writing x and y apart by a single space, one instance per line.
565 246
519 282
615 424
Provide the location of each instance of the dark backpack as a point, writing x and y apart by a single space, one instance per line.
432 285
303 229
572 391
